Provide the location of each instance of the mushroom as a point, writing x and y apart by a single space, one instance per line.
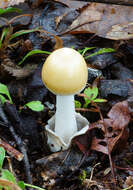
65 74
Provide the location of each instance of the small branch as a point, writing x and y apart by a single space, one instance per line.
19 142
120 168
11 151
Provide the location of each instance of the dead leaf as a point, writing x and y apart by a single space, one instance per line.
120 115
8 3
88 15
73 4
129 181
116 129
109 134
19 72
99 145
109 21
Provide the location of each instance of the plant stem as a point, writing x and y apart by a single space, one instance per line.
33 186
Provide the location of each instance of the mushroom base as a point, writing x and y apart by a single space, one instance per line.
55 142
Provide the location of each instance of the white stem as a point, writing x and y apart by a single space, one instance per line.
65 120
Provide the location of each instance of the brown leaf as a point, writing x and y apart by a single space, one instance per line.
8 3
109 21
19 72
109 134
116 129
99 145
84 141
120 115
88 15
73 4
114 142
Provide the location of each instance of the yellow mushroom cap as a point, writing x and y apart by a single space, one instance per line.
65 72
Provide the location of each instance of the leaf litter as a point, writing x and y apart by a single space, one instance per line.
110 134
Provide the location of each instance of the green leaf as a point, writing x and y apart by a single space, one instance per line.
87 49
2 156
86 104
36 51
35 106
83 51
101 51
77 104
5 174
82 176
2 99
4 32
21 184
91 93
9 10
22 32
98 100
4 90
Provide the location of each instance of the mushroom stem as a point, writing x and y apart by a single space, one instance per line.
65 120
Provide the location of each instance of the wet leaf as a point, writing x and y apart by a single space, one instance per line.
105 20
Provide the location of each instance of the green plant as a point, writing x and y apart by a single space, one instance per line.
33 52
92 93
90 96
7 179
99 52
8 35
4 91
33 105
77 104
82 176
9 10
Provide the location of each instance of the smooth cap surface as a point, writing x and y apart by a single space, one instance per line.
65 72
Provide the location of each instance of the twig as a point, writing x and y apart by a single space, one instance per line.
92 171
11 151
19 142
120 168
